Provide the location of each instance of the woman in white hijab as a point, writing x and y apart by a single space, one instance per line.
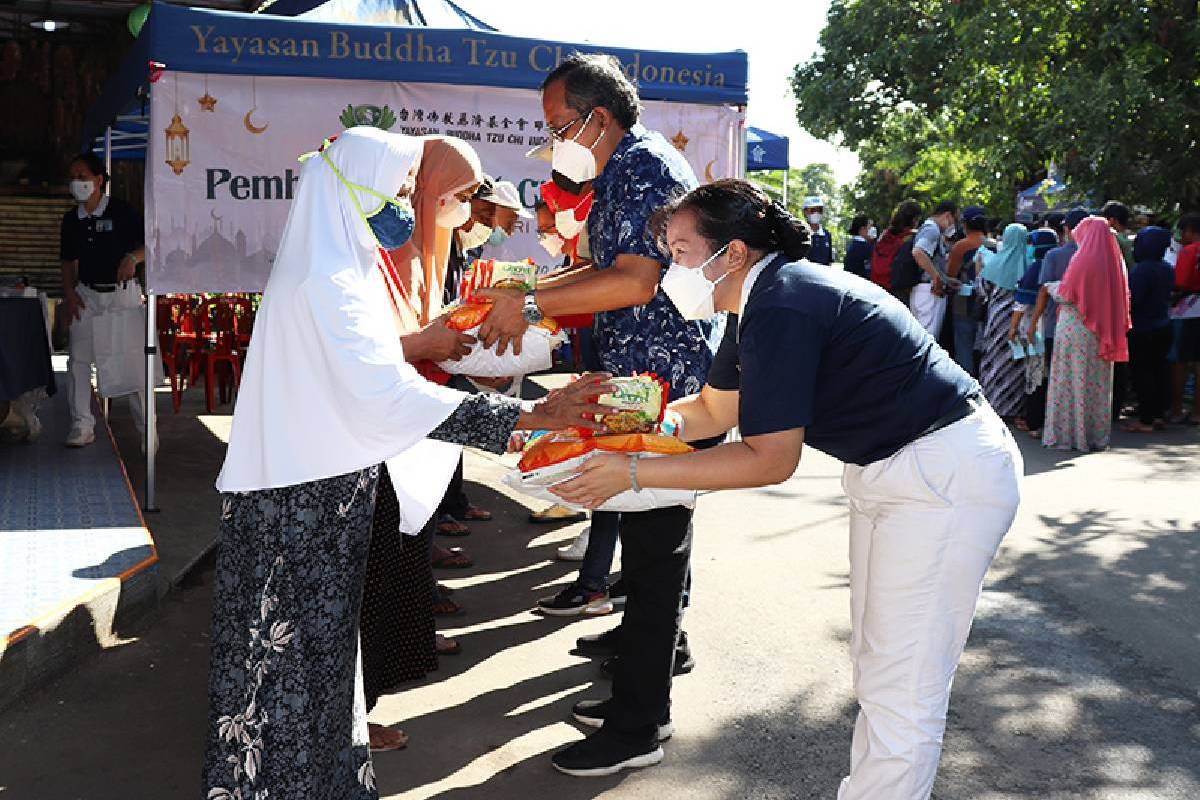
326 397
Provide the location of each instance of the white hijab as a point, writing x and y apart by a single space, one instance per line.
326 390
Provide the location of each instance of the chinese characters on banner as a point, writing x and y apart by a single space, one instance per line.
213 225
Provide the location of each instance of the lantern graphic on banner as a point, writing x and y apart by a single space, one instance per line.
178 149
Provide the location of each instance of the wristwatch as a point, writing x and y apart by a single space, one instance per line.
532 313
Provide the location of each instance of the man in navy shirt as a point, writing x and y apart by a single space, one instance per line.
592 113
825 359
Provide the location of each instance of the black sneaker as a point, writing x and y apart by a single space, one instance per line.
616 592
604 754
575 599
600 645
593 713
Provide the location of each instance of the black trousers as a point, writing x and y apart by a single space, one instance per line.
1035 403
1151 372
455 502
655 552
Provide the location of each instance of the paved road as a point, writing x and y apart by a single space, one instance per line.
1081 679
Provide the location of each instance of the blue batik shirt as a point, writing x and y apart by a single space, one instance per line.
644 173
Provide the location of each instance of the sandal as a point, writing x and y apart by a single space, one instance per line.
453 558
445 647
447 608
444 590
1021 423
1137 427
383 738
449 526
477 514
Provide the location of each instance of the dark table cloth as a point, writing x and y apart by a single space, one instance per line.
24 348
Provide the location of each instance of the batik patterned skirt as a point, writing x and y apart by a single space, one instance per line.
286 713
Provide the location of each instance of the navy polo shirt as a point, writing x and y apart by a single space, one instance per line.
99 241
836 355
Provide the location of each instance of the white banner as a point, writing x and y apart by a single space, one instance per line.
222 169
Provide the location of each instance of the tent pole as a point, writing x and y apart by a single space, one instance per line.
108 159
785 177
151 419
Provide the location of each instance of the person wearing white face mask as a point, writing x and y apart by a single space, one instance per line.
822 359
930 251
470 237
101 246
862 243
820 249
592 112
509 209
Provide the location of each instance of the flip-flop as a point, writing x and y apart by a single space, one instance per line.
477 514
449 526
398 742
454 558
448 608
446 647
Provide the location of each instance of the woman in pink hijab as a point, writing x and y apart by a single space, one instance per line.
1093 320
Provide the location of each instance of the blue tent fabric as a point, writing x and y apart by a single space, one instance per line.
425 13
217 42
765 150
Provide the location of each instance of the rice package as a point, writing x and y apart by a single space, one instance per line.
556 457
537 355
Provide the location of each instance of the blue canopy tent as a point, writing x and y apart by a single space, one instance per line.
1045 196
189 40
767 151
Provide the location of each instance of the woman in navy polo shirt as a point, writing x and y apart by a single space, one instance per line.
826 359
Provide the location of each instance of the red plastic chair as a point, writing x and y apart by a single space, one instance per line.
177 338
218 335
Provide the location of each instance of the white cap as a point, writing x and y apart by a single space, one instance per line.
506 195
543 152
813 201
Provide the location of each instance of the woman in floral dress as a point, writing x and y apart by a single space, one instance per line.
1093 320
1002 377
325 399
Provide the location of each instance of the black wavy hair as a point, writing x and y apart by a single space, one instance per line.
905 217
731 209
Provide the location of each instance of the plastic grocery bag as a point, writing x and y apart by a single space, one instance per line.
629 500
119 336
537 354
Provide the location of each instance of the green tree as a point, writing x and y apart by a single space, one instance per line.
972 99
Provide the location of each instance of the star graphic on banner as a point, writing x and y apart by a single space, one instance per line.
207 102
758 152
680 141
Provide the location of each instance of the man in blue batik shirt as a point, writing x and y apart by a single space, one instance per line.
592 112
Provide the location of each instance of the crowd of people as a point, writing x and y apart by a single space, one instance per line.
1072 324
325 596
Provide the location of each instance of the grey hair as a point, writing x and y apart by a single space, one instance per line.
594 80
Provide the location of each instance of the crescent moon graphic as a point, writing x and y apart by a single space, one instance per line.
708 176
250 126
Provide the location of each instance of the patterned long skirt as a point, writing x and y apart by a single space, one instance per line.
1002 378
1079 400
286 713
397 612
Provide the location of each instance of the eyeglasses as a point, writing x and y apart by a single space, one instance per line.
560 134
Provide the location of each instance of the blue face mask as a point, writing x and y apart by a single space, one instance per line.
497 237
392 225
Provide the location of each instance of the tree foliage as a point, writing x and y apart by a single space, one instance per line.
971 99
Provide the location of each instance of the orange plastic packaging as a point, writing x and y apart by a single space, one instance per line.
554 448
471 315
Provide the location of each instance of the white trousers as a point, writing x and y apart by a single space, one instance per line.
81 359
929 309
924 526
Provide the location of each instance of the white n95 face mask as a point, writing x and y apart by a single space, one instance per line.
82 190
690 289
815 218
452 213
566 224
574 161
552 243
474 236
872 232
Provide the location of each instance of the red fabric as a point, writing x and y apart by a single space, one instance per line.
1187 269
881 257
432 372
559 199
1096 284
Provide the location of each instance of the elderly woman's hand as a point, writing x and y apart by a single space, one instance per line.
574 405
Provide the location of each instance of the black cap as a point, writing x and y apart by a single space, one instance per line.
1075 216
